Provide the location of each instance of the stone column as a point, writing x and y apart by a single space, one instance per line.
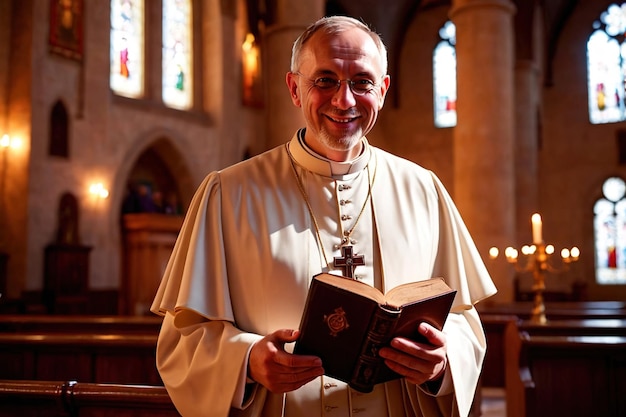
484 166
291 19
526 146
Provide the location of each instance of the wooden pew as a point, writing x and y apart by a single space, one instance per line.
98 358
575 327
564 318
560 310
26 323
78 399
565 375
493 366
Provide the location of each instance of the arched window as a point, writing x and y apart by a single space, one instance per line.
444 77
610 233
606 66
127 48
177 54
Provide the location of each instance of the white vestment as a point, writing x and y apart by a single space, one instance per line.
246 253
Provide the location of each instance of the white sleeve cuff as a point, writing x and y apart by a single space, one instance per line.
246 387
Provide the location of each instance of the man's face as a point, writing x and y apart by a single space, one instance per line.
337 118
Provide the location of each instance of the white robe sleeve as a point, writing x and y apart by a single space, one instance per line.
197 360
201 355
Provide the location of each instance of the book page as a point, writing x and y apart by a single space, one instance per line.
396 297
415 291
354 286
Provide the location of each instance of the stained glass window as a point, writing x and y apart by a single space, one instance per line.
610 233
444 76
177 53
606 66
127 47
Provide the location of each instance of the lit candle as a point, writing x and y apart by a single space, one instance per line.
536 223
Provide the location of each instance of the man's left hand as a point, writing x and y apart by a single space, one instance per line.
418 362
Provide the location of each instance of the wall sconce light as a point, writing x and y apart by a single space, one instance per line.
98 190
251 71
8 142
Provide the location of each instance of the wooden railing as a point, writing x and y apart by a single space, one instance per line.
30 323
77 399
101 358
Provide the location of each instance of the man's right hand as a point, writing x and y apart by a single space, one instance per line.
277 370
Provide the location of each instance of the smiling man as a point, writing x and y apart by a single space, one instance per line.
256 233
340 82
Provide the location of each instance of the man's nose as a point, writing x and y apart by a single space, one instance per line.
344 97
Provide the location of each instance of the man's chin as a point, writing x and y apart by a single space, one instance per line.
342 141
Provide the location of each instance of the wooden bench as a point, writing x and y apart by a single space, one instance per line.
564 318
22 323
560 310
98 358
493 366
78 399
564 375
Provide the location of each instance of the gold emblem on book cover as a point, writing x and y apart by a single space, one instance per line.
337 321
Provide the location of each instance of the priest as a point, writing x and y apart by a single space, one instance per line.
326 201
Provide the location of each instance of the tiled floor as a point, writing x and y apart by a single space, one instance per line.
493 402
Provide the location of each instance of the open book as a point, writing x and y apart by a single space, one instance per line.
346 322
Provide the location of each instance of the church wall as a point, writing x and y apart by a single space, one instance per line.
5 33
406 126
576 156
16 123
53 78
108 133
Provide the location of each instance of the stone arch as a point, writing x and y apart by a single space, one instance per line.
162 144
158 170
159 145
157 159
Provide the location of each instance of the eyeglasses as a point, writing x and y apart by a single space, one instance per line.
359 87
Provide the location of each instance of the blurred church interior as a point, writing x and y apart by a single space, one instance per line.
112 113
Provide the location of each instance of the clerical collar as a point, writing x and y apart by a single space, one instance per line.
319 164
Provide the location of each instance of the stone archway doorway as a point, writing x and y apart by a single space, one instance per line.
152 212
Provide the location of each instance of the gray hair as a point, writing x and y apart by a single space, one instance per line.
333 25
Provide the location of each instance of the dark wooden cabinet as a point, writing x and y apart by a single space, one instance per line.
66 275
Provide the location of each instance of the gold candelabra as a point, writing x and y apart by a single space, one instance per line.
537 260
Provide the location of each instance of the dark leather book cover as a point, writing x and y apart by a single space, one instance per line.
346 322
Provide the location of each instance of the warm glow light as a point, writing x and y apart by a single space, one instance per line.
528 250
98 190
248 43
536 226
550 249
8 142
564 253
493 252
575 252
251 68
511 254
16 143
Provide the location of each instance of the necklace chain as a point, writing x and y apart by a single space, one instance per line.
346 234
345 238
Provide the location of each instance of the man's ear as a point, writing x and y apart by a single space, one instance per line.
294 91
384 87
